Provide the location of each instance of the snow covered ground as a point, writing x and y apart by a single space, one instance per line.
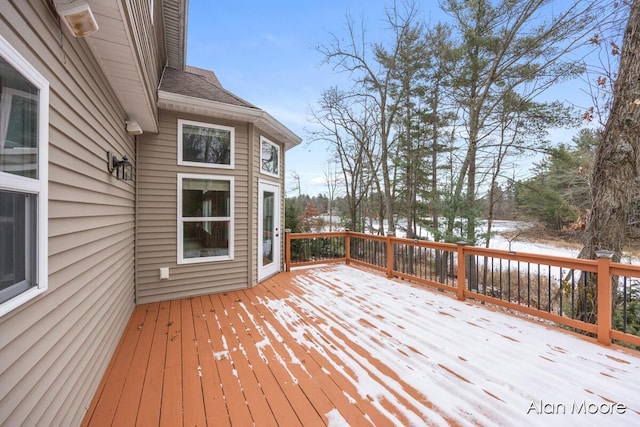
425 358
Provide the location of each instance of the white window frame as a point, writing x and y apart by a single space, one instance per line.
39 186
232 138
277 147
181 259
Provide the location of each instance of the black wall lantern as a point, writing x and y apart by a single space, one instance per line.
123 168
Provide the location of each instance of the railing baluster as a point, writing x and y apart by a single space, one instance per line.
573 294
624 304
528 284
561 289
518 282
549 290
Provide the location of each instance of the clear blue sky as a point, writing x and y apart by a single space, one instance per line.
265 52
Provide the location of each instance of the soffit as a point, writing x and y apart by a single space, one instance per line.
115 50
175 23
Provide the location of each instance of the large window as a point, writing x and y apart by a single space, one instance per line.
24 135
205 145
269 157
205 218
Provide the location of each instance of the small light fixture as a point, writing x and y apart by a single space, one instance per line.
77 16
123 168
133 128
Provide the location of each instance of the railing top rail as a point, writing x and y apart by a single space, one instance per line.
366 236
625 269
317 235
425 243
577 263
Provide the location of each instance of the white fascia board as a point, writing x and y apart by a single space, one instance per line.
189 104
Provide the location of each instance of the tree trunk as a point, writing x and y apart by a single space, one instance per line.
617 161
616 170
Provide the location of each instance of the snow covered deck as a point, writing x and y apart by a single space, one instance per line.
336 345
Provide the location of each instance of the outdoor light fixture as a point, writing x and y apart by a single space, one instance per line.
77 16
133 128
123 168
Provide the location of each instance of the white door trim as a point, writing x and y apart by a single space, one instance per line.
269 248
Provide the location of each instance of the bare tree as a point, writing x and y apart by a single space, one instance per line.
296 182
348 125
375 78
332 180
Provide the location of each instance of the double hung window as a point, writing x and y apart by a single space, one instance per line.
205 218
24 106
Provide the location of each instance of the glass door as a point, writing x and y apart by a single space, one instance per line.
268 229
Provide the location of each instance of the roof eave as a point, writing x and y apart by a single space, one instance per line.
115 49
188 104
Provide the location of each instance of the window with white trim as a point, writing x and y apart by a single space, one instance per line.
24 136
269 157
205 145
205 218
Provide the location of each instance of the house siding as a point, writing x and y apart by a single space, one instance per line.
55 348
157 216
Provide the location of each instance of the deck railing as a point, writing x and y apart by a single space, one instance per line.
573 293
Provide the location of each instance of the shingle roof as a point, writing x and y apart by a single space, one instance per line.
199 83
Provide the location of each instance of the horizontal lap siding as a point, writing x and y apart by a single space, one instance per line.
55 348
157 217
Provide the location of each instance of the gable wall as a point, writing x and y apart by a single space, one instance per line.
55 348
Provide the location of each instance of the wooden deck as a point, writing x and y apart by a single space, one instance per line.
235 359
201 362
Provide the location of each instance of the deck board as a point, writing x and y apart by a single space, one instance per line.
213 396
234 367
192 396
127 409
280 355
111 390
151 397
171 406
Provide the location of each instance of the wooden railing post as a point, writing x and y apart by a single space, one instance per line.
462 271
287 249
604 297
389 255
347 247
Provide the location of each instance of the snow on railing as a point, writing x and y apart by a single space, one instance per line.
574 293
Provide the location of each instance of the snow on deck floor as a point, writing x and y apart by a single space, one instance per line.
467 363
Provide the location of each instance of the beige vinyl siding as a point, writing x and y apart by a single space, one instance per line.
54 349
157 217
